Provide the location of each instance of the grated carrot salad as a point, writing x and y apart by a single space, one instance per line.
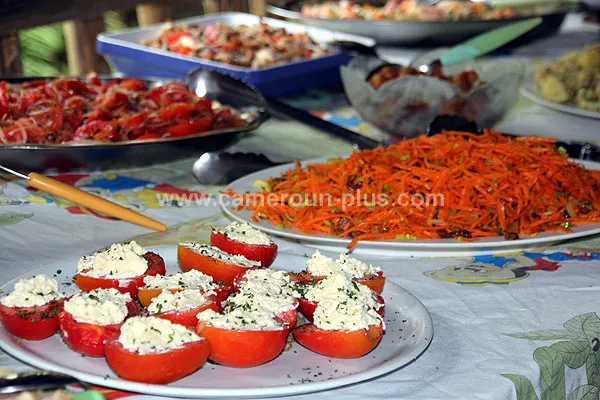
491 185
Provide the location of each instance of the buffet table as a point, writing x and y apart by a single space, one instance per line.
508 326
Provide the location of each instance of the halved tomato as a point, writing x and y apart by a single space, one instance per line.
263 253
221 271
105 131
338 343
170 93
243 348
86 338
32 323
188 317
156 266
160 367
190 127
133 84
145 295
373 281
308 307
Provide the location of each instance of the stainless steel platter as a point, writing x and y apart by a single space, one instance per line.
412 32
214 85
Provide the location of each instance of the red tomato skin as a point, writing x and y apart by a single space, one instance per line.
133 84
86 338
381 301
220 271
338 343
375 281
221 294
264 254
305 277
156 266
243 349
159 368
4 102
288 318
190 127
187 317
34 325
307 308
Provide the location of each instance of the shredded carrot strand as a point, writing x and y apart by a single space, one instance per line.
471 185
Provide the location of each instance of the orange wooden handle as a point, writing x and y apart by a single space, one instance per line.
92 201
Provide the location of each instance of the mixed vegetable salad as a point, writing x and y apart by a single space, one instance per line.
250 46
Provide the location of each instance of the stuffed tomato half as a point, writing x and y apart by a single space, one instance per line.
90 318
244 240
31 310
122 266
210 260
275 288
337 288
252 330
182 306
344 322
192 279
155 350
319 266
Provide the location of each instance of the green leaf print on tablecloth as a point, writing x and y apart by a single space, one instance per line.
525 390
580 346
13 218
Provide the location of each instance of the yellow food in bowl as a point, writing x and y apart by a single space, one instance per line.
573 78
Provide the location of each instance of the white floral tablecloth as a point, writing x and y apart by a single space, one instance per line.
509 326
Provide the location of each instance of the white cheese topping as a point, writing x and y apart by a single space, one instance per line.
36 291
154 335
193 279
260 303
248 318
99 307
121 260
354 267
213 252
267 281
181 300
321 265
346 315
242 232
340 287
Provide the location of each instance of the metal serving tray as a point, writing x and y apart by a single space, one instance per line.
421 32
129 56
89 156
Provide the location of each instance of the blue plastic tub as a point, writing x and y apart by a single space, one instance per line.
128 56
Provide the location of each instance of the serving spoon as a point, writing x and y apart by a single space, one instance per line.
37 380
217 168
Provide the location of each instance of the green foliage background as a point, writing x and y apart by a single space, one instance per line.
43 48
